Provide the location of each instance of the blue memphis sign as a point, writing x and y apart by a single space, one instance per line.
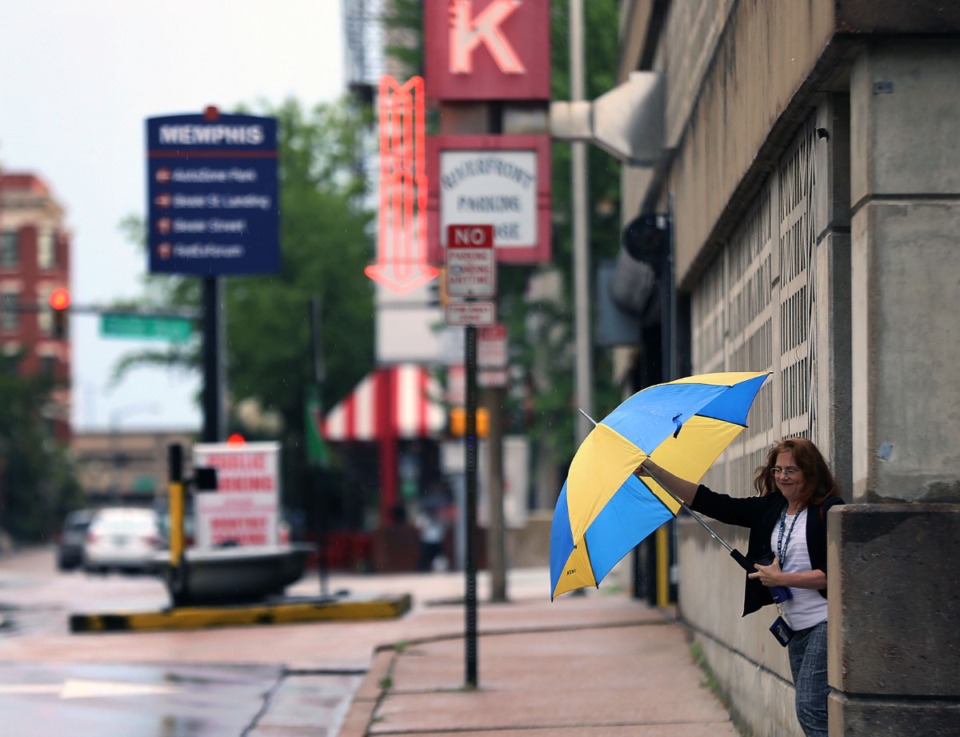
212 195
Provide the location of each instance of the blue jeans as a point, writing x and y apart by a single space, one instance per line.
808 663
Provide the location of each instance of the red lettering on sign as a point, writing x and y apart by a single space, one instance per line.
246 483
237 461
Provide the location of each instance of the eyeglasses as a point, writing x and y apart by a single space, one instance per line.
789 471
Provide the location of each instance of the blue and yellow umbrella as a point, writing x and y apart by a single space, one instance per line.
604 510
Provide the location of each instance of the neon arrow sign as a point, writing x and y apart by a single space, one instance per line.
401 239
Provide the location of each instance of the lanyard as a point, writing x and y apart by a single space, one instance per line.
781 543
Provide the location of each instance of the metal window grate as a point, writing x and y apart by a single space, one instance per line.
797 187
755 309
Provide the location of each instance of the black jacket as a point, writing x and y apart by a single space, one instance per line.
761 514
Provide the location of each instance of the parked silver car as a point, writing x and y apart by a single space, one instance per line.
123 539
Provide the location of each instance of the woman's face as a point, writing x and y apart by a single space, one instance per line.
788 478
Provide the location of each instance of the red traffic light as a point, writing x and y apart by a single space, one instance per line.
60 298
236 439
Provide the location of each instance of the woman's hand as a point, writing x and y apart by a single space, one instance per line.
770 575
684 490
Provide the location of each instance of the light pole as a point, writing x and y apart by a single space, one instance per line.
581 263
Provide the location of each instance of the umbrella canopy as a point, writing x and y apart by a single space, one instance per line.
604 510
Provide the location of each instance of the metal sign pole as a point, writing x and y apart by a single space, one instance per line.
470 513
213 365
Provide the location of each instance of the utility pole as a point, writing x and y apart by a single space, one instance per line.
581 261
317 455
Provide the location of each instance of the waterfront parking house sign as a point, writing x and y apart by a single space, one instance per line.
496 180
212 204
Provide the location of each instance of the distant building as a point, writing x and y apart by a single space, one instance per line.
129 468
34 261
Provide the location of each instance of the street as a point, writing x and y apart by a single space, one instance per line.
202 683
199 683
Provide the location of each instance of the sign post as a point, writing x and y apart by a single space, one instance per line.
212 210
496 50
470 518
471 272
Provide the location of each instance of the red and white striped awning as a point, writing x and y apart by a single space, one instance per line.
400 401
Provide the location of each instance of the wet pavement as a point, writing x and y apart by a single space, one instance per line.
126 700
598 664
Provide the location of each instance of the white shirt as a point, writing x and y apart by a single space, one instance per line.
807 607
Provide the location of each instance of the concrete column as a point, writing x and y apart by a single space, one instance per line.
895 647
905 191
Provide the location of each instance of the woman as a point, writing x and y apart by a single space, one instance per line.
787 522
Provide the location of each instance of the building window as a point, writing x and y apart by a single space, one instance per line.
45 321
48 366
46 250
9 250
9 314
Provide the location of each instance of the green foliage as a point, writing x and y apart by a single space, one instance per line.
404 17
37 481
325 245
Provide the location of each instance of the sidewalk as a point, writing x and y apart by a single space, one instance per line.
600 664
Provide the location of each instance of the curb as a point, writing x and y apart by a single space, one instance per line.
279 612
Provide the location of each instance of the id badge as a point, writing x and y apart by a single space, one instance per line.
781 631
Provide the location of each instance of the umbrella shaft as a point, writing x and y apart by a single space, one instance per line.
693 514
714 535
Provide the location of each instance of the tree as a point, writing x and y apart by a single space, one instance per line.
37 481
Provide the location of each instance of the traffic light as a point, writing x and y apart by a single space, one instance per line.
437 289
458 422
59 303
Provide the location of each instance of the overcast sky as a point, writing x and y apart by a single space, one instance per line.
77 80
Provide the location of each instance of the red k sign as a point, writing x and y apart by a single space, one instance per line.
487 49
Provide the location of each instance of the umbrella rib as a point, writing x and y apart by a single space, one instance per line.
744 425
586 550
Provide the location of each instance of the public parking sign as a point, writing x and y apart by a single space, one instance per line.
212 205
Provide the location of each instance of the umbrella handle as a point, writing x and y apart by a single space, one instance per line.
742 560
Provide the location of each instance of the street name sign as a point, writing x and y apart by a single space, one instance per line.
146 327
212 194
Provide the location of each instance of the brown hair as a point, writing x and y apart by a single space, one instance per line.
819 483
